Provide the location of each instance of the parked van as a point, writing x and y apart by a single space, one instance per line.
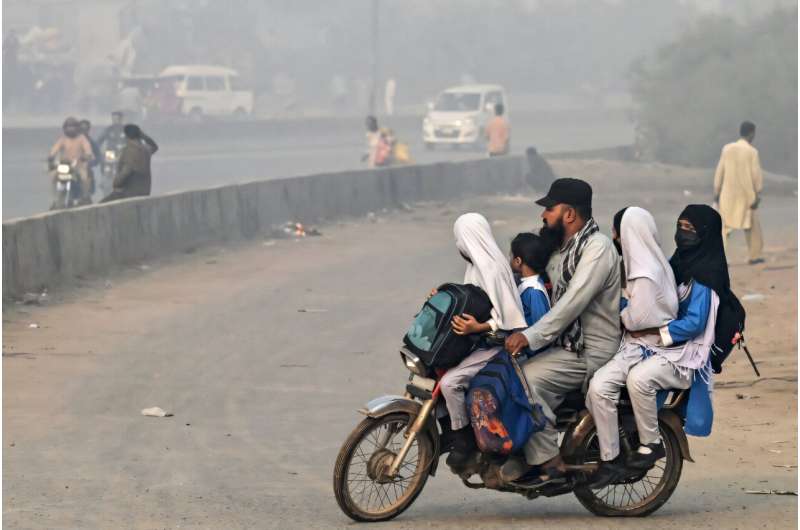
207 90
460 114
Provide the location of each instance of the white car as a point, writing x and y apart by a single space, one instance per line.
460 114
208 90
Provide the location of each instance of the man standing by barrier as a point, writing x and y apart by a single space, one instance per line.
133 173
737 187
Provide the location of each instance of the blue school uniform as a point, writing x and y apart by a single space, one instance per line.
693 311
535 302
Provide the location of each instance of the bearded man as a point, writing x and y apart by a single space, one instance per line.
582 326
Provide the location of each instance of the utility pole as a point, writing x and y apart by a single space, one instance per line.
374 59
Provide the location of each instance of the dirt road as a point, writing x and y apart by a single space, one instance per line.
263 395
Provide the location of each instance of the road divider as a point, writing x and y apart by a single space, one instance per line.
54 248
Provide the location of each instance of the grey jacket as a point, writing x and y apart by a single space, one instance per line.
593 294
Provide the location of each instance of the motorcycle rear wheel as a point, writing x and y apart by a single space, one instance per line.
360 491
636 497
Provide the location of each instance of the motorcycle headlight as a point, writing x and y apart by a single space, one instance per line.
413 363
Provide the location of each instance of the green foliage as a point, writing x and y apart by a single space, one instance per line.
692 94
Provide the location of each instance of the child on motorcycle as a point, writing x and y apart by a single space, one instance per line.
488 269
529 256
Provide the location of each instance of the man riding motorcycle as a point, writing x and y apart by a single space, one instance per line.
86 130
384 463
582 326
111 143
74 149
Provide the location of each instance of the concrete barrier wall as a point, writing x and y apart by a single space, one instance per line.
53 248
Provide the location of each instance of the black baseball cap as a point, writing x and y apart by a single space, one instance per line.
574 192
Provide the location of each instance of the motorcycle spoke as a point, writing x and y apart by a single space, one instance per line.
607 491
625 494
380 493
629 489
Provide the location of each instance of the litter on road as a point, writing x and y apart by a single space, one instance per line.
156 412
34 298
753 297
296 230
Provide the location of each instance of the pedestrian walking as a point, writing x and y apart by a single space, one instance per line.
738 182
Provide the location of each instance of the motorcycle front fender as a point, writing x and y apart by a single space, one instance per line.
381 406
390 404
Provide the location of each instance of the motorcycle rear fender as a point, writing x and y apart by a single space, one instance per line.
577 432
385 405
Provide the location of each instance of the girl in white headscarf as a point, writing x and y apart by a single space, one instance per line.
652 302
487 268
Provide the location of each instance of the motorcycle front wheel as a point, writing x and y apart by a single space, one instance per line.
636 496
362 488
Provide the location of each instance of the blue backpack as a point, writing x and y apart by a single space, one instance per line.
501 415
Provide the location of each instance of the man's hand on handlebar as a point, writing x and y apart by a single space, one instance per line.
516 343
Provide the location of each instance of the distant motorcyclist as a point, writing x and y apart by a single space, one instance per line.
74 149
133 174
86 127
113 135
111 143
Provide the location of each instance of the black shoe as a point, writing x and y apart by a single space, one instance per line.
755 261
608 472
462 446
645 462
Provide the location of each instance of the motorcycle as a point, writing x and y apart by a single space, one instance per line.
385 463
109 168
68 187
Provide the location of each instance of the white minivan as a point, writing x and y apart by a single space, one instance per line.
460 114
208 90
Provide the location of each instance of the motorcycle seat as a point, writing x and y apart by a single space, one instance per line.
575 401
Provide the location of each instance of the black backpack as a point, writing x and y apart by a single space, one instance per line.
431 336
728 330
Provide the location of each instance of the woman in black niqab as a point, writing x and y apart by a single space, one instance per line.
704 261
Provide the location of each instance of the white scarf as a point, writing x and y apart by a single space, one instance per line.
488 269
644 258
